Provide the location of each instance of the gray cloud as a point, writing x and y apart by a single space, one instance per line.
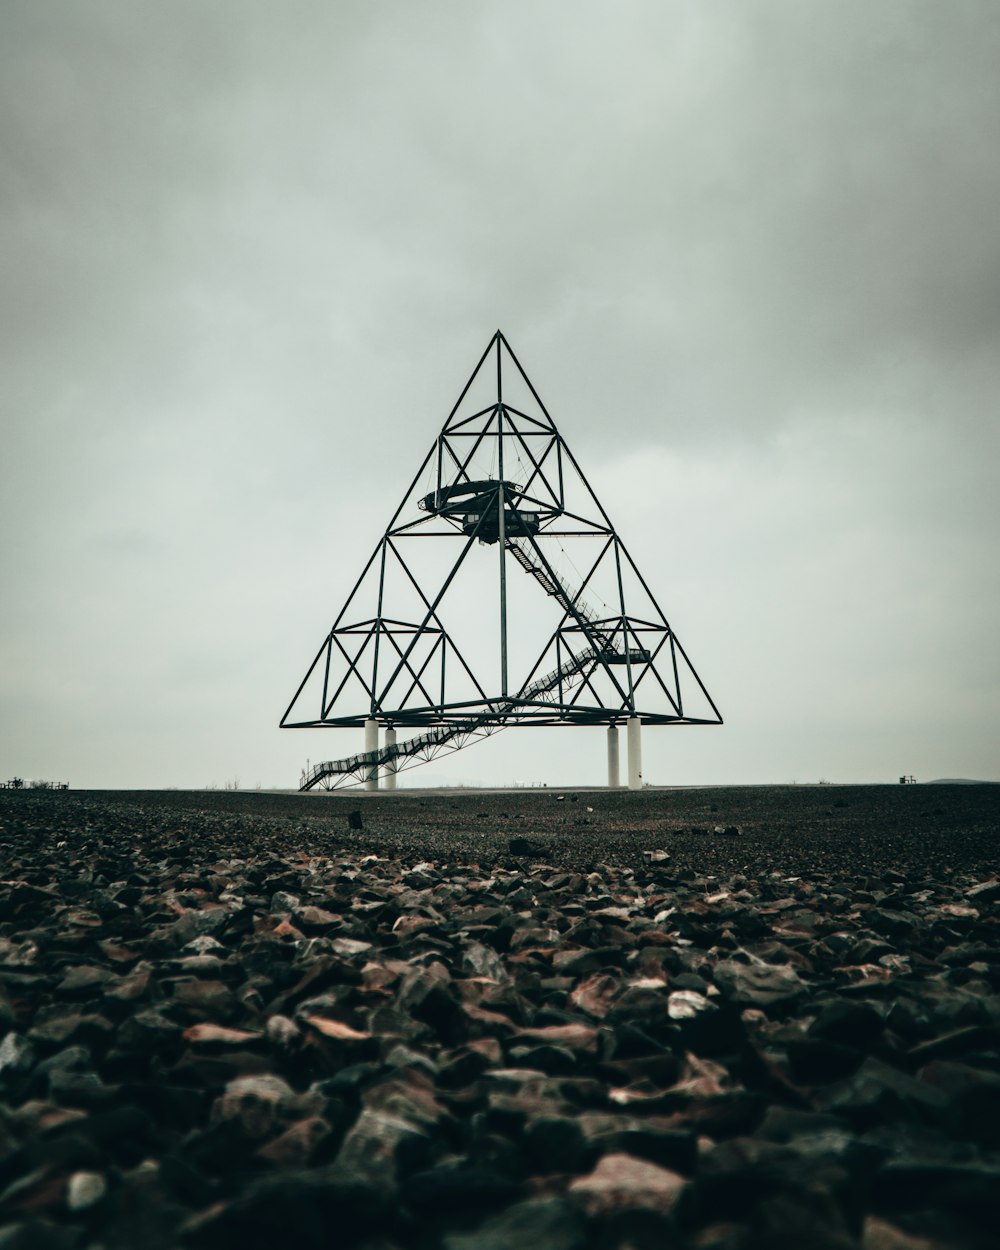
251 254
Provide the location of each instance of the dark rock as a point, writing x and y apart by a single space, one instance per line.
758 984
80 1089
552 1060
973 1097
457 1186
542 1224
201 999
149 1032
427 996
985 892
187 1183
703 1025
82 981
747 1175
955 1044
811 1217
879 1093
847 1023
385 1147
557 1143
966 1188
65 1151
893 924
38 1234
57 1026
657 1140
573 963
70 1059
125 1132
785 1124
527 847
296 1208
814 1059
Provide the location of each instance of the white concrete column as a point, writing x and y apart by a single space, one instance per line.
390 768
613 771
634 753
371 744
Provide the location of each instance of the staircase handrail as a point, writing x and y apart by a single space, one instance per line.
574 605
441 733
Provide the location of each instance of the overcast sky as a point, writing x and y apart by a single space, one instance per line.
747 252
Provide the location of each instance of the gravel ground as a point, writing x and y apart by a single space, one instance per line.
849 829
735 1018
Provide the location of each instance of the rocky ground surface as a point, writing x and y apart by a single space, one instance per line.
727 1019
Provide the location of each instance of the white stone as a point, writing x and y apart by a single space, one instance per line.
85 1190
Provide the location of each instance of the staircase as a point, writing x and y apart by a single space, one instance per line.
553 585
428 744
425 746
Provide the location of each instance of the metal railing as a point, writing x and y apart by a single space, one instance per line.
554 585
365 762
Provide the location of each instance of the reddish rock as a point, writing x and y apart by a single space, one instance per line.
595 994
335 1030
622 1180
297 1145
211 998
259 1104
879 1234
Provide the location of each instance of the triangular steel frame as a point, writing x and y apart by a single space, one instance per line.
403 673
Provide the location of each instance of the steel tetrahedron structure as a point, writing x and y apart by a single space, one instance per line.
500 594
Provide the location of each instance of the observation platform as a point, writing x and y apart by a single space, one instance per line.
474 505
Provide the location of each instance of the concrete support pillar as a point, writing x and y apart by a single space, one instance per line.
613 771
371 744
390 768
634 753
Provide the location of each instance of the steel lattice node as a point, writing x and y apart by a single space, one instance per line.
527 569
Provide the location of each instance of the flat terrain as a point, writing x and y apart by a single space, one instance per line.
729 1018
855 829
